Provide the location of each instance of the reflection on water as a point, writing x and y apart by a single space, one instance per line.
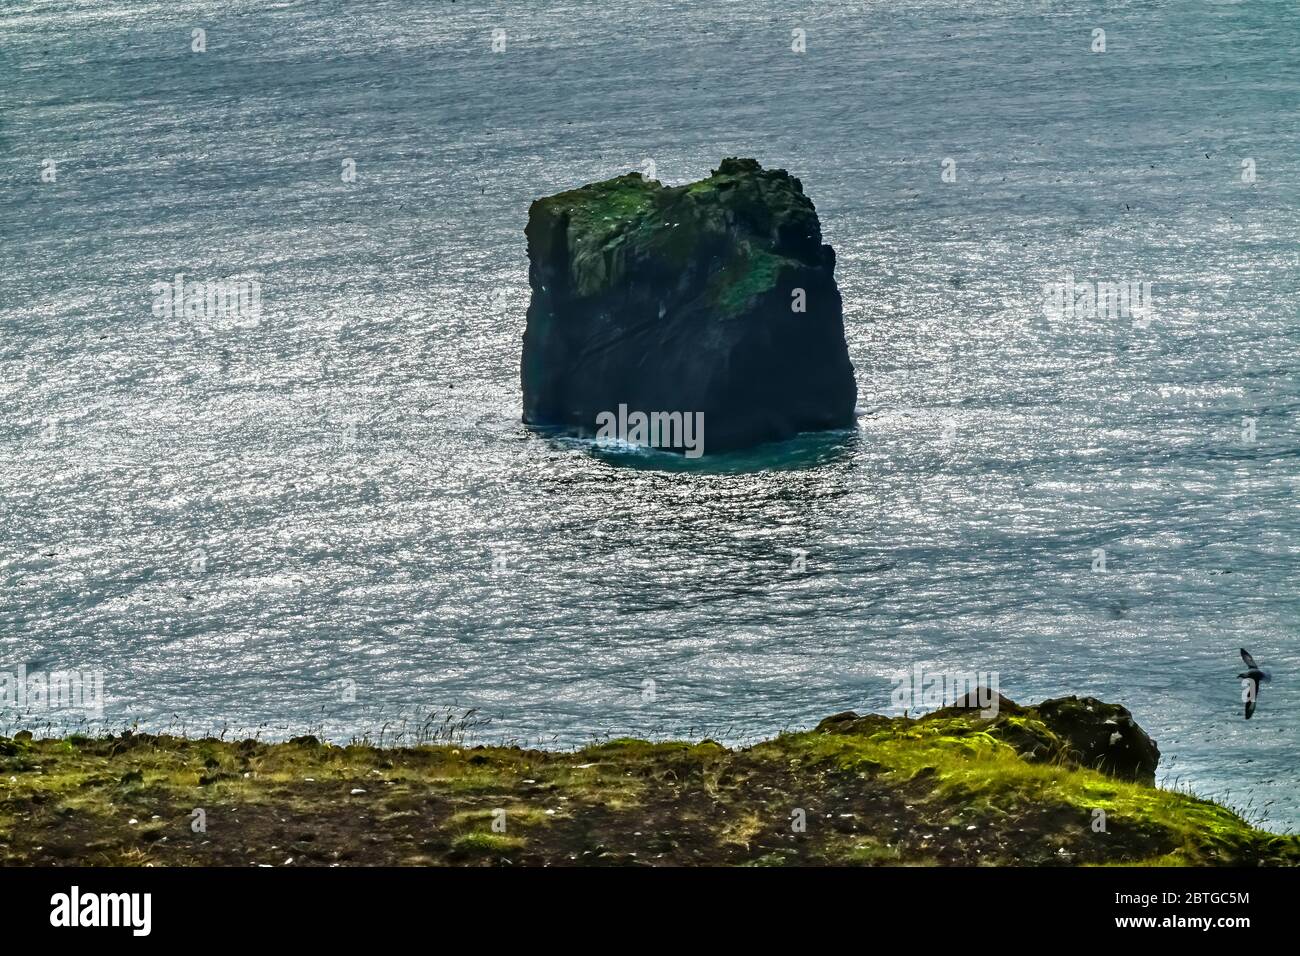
237 524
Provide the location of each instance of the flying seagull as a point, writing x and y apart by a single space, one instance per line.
1255 676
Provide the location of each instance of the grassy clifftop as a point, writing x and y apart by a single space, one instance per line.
947 789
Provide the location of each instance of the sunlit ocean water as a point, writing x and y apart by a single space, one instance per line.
955 528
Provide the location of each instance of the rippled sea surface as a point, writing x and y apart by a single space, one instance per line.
232 522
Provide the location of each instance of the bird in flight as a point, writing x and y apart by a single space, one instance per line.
1252 678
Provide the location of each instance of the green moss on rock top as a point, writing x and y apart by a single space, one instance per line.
744 222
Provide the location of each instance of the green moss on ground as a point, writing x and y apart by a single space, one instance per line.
942 790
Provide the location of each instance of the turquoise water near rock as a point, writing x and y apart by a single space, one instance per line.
246 525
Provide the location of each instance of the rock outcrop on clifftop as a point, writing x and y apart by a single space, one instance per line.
1073 731
717 298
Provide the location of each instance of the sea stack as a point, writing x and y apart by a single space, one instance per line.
715 301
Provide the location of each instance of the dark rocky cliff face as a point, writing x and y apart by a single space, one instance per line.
684 299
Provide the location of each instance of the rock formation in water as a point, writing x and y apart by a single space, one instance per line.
715 300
